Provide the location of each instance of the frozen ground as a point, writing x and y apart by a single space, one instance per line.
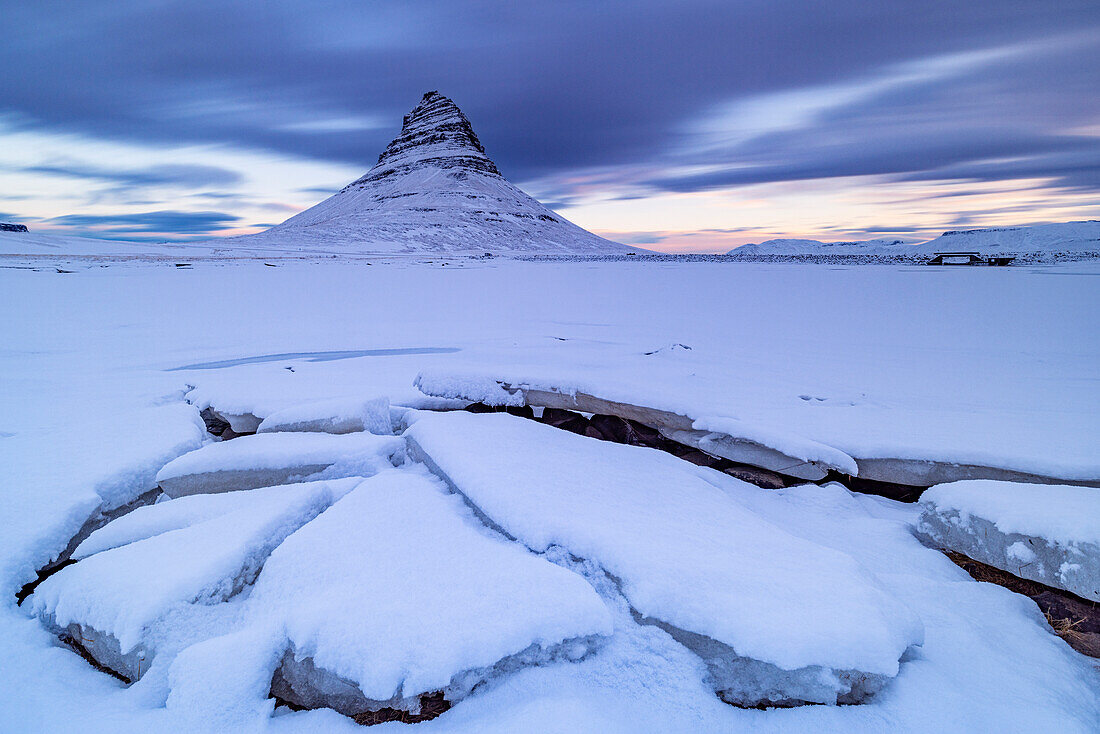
992 364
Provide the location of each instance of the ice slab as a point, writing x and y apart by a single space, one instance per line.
332 416
806 623
112 601
1046 533
721 436
926 473
694 407
397 590
278 458
174 514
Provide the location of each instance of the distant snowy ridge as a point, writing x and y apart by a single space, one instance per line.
805 247
1071 240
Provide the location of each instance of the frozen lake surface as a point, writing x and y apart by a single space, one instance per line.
104 371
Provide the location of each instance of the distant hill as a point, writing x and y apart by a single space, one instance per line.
803 247
1066 240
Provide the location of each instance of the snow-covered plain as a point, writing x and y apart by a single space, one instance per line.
992 364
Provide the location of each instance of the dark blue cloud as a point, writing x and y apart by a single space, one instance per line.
178 222
179 175
557 87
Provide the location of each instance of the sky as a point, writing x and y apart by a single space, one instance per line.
675 126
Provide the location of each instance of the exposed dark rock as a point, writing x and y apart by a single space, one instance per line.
215 425
482 408
754 475
431 706
10 227
564 419
899 492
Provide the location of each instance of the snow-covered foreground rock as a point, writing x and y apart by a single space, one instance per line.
398 591
332 416
995 366
1049 534
114 602
278 458
777 620
688 417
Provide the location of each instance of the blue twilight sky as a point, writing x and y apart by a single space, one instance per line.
671 125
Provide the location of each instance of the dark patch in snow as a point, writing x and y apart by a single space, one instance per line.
431 706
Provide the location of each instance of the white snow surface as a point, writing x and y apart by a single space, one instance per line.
125 590
398 588
347 455
60 245
1064 515
637 513
999 364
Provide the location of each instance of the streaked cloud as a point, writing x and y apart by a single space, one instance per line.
188 223
780 116
181 175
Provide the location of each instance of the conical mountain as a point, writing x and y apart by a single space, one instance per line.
433 191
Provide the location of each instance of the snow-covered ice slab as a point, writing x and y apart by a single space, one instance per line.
726 437
174 514
779 620
201 550
332 416
397 590
1046 533
278 458
695 404
925 473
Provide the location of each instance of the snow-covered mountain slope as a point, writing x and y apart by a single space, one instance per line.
1064 239
1068 237
433 190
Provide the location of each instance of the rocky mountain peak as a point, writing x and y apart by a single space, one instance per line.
434 190
435 133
